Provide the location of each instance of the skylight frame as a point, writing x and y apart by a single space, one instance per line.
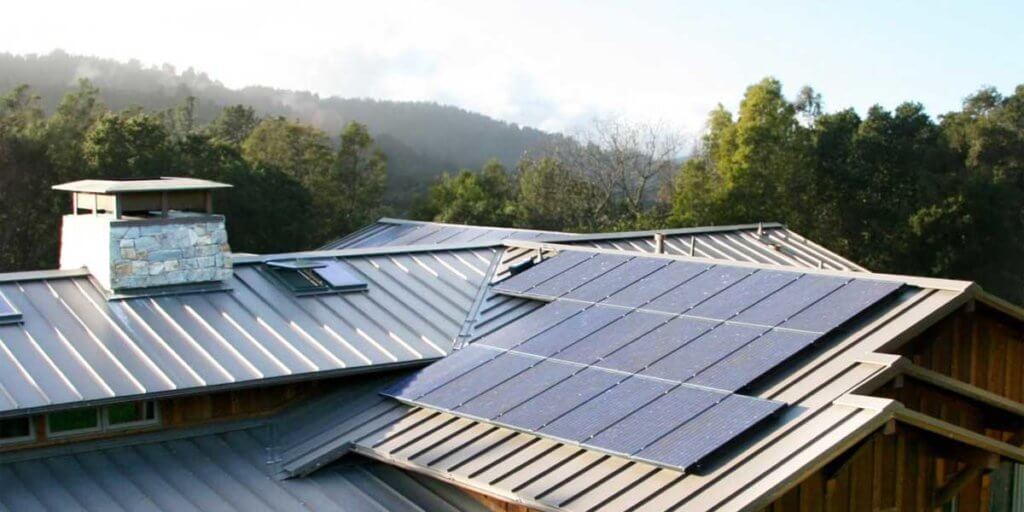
9 314
290 274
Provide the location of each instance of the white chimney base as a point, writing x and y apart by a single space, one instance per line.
126 254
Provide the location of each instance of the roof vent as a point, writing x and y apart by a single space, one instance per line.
313 277
138 234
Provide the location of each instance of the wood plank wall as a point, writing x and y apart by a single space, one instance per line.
901 470
982 347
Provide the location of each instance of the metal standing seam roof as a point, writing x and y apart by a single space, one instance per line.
824 418
74 346
224 468
388 232
766 242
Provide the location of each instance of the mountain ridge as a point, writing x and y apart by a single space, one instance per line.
422 139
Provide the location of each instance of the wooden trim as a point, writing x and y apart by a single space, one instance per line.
999 304
962 388
957 433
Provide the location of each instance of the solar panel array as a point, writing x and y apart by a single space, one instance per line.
637 356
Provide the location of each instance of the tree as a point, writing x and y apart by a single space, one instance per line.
750 169
552 197
234 124
128 145
298 150
625 162
483 197
352 195
77 112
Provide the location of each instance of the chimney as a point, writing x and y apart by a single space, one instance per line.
136 234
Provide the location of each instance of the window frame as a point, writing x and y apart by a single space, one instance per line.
50 434
23 439
155 420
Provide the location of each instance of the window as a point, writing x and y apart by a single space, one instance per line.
111 417
132 414
16 430
307 277
72 421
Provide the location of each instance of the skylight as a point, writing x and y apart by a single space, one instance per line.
309 277
8 313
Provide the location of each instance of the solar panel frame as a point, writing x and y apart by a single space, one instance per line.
478 380
605 409
521 283
578 275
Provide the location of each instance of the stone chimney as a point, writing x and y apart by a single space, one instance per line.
135 234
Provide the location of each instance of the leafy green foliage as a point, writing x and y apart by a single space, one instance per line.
292 189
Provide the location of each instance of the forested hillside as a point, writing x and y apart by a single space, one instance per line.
898 191
420 139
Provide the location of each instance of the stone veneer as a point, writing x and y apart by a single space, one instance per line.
141 253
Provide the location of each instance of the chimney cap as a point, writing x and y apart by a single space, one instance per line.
165 184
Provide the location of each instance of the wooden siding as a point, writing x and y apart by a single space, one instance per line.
190 411
976 345
900 470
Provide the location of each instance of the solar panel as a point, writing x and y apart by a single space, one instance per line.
694 440
577 276
605 409
341 276
8 313
639 356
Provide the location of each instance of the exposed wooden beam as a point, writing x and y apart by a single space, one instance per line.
947 492
962 388
960 434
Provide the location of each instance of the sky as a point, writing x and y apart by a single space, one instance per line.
556 65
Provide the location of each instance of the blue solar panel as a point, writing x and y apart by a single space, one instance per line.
790 300
605 409
521 283
612 337
701 288
754 360
435 375
577 276
530 325
640 356
601 287
841 305
744 294
656 344
512 392
560 399
702 352
479 379
570 331
654 285
649 423
694 440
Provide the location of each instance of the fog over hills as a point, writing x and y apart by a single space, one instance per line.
421 139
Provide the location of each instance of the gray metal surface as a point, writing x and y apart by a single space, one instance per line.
398 232
770 243
527 392
74 346
528 383
548 474
224 471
